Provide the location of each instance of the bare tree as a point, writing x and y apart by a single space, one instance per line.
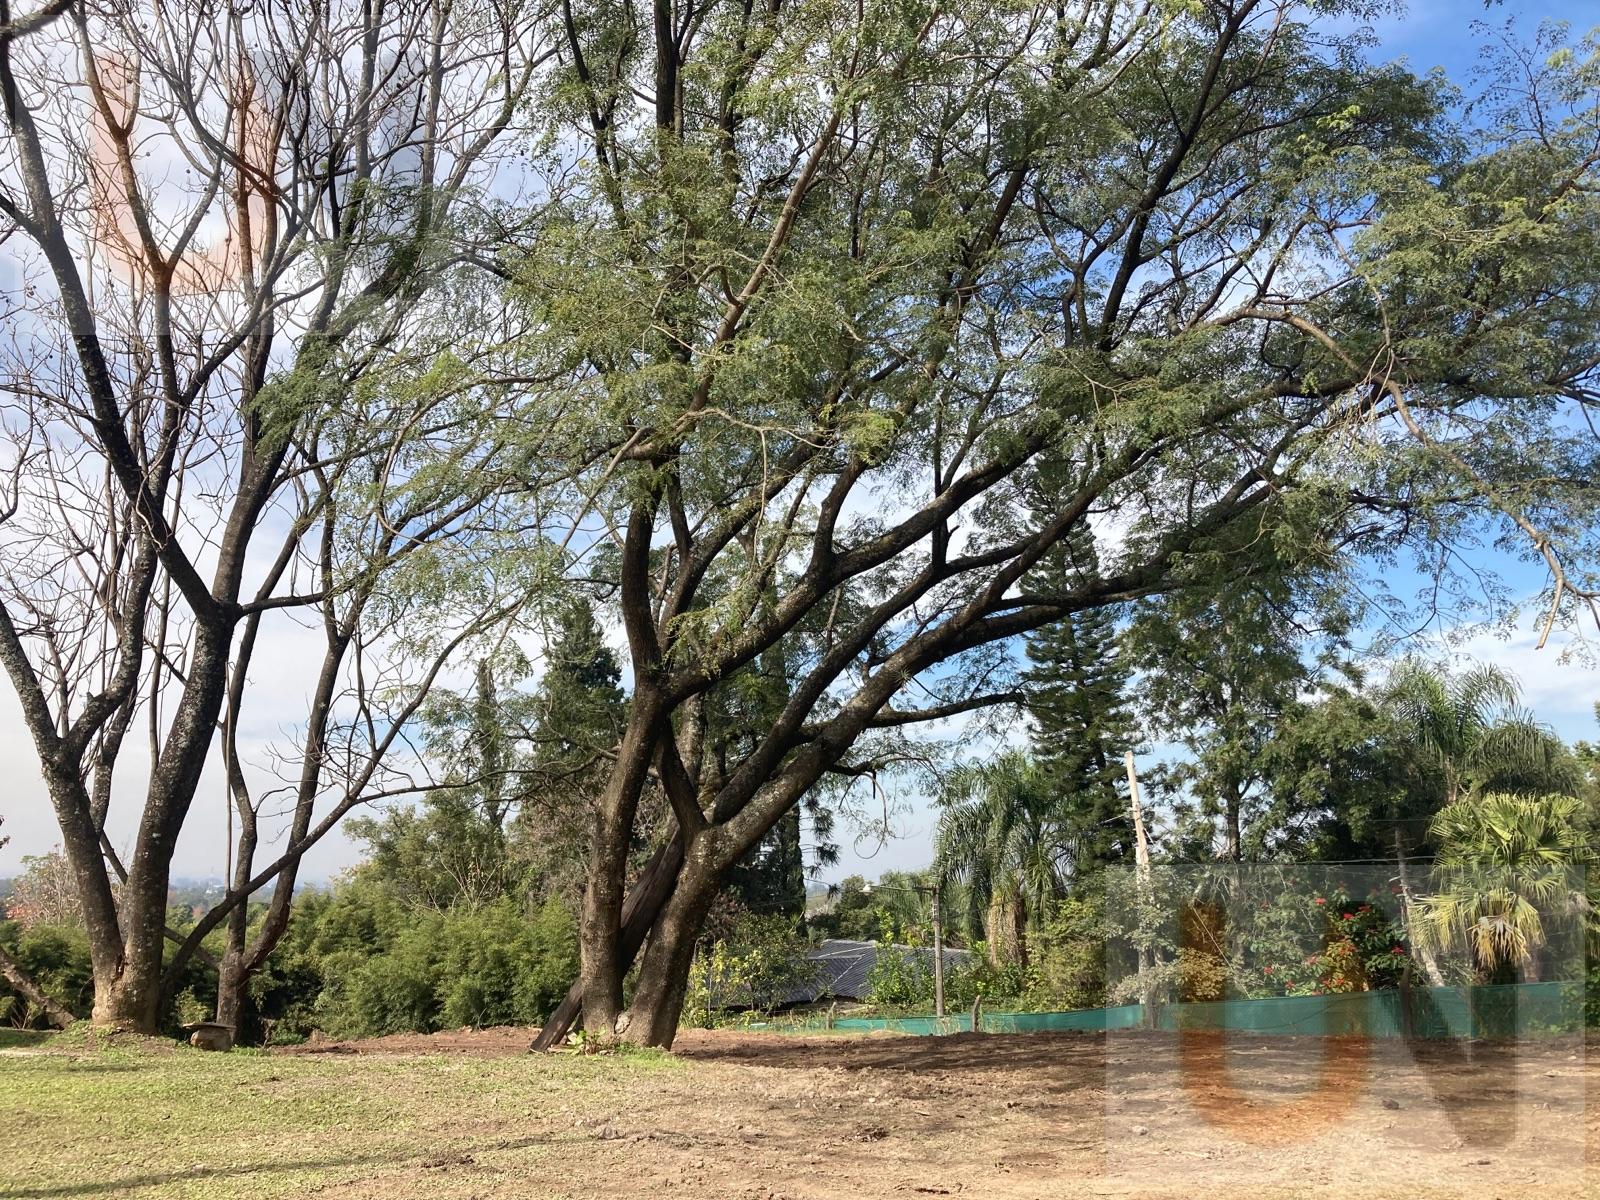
23 984
223 366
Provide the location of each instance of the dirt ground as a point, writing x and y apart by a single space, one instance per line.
761 1116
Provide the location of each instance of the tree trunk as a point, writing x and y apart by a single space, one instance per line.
1232 842
129 999
232 978
33 993
652 1019
1419 947
643 905
1019 919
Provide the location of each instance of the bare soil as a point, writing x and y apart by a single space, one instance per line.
759 1116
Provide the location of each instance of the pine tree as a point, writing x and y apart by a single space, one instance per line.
1076 692
580 697
577 719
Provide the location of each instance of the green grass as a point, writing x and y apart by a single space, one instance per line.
156 1122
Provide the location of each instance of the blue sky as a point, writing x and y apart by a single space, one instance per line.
1426 34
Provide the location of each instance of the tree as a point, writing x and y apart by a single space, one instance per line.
829 281
563 742
1454 735
1221 675
1010 837
1511 868
1588 758
1462 732
46 892
1334 780
204 441
1076 692
452 850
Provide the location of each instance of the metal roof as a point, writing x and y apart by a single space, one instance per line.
843 968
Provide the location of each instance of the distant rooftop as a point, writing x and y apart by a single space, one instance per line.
844 967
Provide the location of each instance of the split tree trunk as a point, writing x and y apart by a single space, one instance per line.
652 1019
644 904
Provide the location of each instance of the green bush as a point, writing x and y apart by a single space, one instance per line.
371 967
1068 970
56 957
760 961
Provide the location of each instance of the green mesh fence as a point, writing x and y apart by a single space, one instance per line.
1504 1011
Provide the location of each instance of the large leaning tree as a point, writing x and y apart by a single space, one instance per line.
829 283
241 425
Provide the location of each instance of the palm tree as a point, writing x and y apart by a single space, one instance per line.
1459 733
1464 731
1509 866
1004 835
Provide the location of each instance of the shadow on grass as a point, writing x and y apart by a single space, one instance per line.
461 1156
16 1038
1070 1053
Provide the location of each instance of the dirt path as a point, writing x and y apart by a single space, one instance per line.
1142 1115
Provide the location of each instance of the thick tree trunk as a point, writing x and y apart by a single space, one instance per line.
129 999
33 993
652 1019
644 904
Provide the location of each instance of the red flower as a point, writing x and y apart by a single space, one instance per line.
1320 900
1397 950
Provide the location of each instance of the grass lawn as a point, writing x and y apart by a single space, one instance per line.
159 1122
467 1115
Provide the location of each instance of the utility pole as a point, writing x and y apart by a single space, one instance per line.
1141 846
1141 859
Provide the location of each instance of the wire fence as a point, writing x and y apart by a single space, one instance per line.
1526 1010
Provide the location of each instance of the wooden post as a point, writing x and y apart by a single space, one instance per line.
1141 859
938 955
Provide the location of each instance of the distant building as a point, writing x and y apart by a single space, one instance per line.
843 969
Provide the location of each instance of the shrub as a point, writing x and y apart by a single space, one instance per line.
357 963
753 968
56 957
1069 957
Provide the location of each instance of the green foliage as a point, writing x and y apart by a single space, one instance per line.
1320 940
894 908
1512 873
1075 689
1222 679
902 979
360 963
750 970
56 958
1462 732
1068 966
1008 834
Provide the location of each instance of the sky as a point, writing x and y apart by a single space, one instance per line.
1561 688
